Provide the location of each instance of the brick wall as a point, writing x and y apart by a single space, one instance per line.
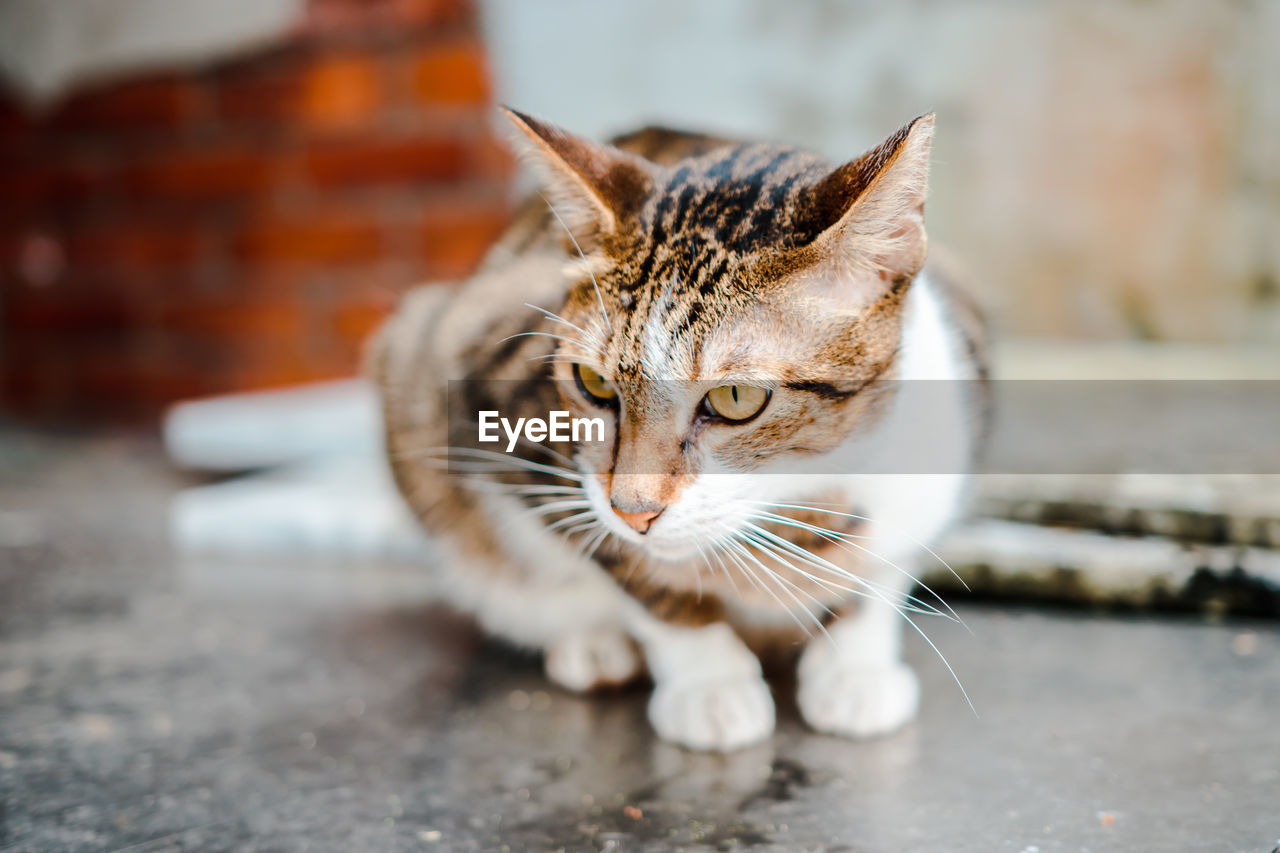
247 224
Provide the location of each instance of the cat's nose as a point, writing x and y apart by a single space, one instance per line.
637 521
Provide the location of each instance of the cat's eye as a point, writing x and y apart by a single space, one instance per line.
595 387
736 403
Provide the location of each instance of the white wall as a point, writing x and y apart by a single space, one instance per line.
48 46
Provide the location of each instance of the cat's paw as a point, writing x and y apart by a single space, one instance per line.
719 714
593 660
857 700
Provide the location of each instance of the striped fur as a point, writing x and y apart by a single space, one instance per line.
669 263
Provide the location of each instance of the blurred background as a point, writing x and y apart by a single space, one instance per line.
229 639
213 197
203 198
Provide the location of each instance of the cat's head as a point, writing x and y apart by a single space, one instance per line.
728 309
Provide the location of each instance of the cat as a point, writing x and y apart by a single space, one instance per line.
729 309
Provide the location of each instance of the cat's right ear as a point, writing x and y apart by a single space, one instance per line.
596 187
875 204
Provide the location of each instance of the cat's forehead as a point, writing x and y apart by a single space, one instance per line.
672 331
683 305
739 198
707 217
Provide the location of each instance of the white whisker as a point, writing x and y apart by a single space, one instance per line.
722 550
492 457
844 540
780 545
558 506
787 586
891 529
733 550
601 538
581 254
719 558
932 646
496 487
532 445
744 551
712 547
572 522
833 537
536 334
551 315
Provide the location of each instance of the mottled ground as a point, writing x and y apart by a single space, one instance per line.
151 703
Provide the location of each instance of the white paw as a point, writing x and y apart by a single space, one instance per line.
588 661
857 700
721 714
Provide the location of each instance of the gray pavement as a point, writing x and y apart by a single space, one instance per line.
150 703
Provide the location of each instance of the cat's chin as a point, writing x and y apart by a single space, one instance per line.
667 552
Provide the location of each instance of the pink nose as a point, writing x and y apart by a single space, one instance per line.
637 521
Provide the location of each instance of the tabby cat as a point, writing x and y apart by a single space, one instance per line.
745 318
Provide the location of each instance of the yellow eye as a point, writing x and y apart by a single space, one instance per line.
737 403
594 387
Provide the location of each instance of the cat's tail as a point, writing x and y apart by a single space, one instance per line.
313 481
262 429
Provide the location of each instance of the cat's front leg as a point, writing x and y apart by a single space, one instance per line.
853 682
592 659
708 690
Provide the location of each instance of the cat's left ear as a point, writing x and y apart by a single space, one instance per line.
597 187
875 204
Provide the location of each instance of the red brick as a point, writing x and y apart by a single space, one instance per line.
328 91
37 257
347 16
136 385
119 378
267 282
310 240
452 74
277 366
35 383
432 11
133 246
453 245
254 95
203 174
154 103
44 184
231 321
143 310
383 161
355 321
15 117
341 91
493 157
54 311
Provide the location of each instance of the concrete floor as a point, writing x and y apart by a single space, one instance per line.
148 703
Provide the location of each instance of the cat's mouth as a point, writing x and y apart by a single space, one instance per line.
667 551
659 541
652 541
667 540
678 534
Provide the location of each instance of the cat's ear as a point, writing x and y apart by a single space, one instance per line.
875 204
594 186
